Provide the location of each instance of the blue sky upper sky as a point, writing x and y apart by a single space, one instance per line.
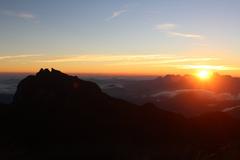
42 32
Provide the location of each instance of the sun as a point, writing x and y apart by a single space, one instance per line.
204 74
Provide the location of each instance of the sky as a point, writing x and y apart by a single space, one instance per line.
132 37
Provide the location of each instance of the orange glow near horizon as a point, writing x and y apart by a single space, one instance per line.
119 64
139 70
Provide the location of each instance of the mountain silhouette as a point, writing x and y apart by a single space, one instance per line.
56 115
172 92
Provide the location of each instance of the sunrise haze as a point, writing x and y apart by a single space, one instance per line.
128 37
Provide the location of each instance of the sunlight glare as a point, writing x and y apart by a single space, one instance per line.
204 74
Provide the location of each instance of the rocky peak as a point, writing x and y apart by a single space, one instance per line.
56 87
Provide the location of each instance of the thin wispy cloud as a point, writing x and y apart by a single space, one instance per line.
106 58
208 67
186 35
18 56
179 60
170 29
165 26
120 60
117 13
165 61
152 60
21 15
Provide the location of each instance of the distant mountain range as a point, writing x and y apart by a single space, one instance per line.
54 115
186 95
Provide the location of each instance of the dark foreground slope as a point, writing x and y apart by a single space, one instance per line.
57 115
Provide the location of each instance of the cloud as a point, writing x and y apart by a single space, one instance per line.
17 56
107 58
189 60
117 14
152 60
202 93
230 108
21 15
208 67
193 102
174 93
165 26
186 35
169 28
9 88
158 59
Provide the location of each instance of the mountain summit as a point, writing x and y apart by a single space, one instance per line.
56 115
54 87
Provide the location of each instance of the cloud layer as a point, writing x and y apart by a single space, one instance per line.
128 59
204 94
151 60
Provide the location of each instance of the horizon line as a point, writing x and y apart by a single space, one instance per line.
114 74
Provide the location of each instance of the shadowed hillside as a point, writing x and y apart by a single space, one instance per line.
57 115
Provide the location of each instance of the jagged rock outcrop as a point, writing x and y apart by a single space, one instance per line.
55 88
